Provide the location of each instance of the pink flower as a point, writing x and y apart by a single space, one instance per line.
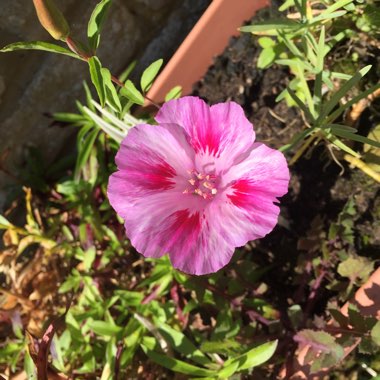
197 186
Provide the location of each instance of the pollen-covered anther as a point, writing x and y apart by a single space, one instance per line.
203 185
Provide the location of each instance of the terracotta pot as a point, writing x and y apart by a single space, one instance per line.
208 38
367 299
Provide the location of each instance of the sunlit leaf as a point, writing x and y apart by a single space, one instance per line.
96 22
39 45
150 74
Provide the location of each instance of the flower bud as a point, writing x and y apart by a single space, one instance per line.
52 19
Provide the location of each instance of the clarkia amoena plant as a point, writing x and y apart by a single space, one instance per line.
197 185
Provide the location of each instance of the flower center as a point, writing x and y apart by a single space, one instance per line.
203 185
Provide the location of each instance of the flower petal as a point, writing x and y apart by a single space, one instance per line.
221 131
251 190
155 150
265 171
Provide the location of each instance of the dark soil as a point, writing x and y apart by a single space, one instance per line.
318 189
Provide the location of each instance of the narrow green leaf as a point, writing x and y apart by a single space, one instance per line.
329 106
84 152
39 45
296 139
182 344
338 4
355 137
150 74
287 4
329 16
290 44
270 26
112 98
300 104
343 76
319 70
351 102
104 328
4 223
89 99
132 93
344 128
176 365
67 117
338 143
96 23
255 356
97 78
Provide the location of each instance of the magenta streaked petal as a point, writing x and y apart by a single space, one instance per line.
265 170
221 132
147 147
193 115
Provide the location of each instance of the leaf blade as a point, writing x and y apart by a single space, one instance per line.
39 45
96 22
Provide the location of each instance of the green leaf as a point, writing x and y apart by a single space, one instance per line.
266 42
355 137
335 6
96 23
300 104
296 139
67 117
150 74
339 317
351 102
356 267
319 69
254 357
266 58
85 151
104 328
375 333
132 93
176 365
340 127
97 78
29 367
39 45
228 370
220 346
341 145
181 343
89 99
287 4
270 27
112 98
329 106
329 16
88 258
174 93
4 223
320 342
